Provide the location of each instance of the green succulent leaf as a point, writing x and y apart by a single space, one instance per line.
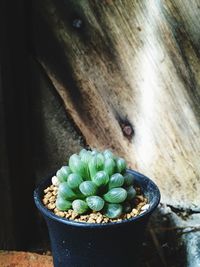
131 193
63 173
128 179
88 188
96 181
74 180
113 210
63 204
78 193
96 164
79 206
66 192
94 152
109 166
95 203
86 157
108 154
121 165
73 157
116 195
101 178
78 166
127 207
116 180
82 152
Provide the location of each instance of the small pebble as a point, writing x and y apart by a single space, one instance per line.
93 216
140 205
141 198
70 212
99 219
45 201
74 215
55 181
48 195
52 199
134 211
142 211
129 216
46 190
51 206
91 220
106 220
61 214
145 207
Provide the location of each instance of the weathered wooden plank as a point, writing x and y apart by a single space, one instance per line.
25 259
129 75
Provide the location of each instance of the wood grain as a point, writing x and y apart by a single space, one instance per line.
24 259
129 75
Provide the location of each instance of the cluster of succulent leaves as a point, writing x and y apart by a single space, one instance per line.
95 181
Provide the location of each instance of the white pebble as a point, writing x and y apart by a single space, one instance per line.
55 181
142 211
145 207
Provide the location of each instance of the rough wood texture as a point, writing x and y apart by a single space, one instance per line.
55 137
24 259
129 75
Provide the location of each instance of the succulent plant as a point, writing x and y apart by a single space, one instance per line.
95 181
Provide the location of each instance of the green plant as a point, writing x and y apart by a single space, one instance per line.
95 181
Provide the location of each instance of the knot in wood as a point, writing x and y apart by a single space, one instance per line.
127 130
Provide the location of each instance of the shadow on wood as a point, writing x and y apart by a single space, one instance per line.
128 75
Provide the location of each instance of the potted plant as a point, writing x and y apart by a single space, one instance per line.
96 211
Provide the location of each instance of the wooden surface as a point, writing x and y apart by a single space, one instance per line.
128 73
24 259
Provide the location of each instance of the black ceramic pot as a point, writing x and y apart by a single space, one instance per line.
76 244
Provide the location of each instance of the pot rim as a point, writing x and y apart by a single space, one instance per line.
139 217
